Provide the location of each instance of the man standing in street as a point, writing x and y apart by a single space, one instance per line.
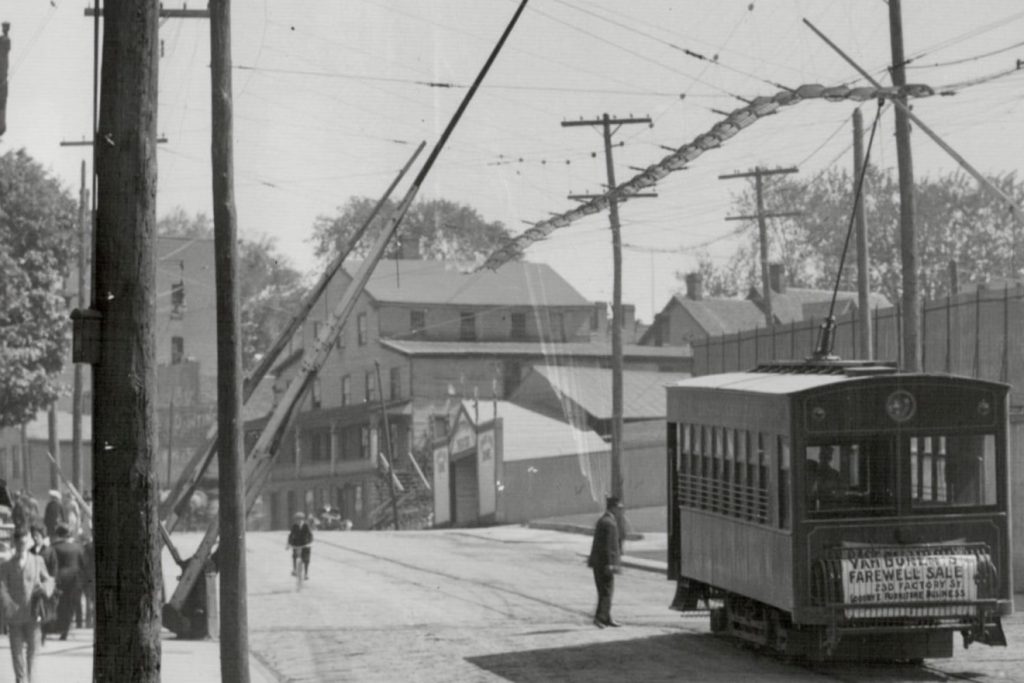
604 560
70 574
22 578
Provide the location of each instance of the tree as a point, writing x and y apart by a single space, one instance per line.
956 221
270 290
437 228
37 220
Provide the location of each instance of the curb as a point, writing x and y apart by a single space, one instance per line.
577 529
640 563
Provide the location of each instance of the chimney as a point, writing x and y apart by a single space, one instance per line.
777 277
694 286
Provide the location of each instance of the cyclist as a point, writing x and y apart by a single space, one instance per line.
300 540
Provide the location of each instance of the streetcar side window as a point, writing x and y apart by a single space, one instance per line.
953 470
784 469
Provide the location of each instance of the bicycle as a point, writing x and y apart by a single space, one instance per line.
298 566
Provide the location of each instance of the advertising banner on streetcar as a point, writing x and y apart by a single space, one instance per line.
887 581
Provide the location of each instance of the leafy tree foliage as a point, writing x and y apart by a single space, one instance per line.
956 220
37 221
438 229
270 290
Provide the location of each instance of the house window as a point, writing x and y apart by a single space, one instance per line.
346 390
361 328
177 350
418 321
359 499
350 443
513 374
557 327
518 326
439 426
371 385
467 326
317 393
396 383
317 327
320 446
364 442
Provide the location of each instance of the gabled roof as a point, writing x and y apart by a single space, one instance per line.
517 283
411 347
643 392
529 435
789 306
722 316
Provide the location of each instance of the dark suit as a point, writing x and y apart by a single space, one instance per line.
604 557
71 570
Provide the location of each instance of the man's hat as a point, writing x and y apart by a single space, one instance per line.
612 501
298 515
54 493
62 530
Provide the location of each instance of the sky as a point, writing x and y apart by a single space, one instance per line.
332 96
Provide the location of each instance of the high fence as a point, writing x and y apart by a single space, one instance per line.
979 334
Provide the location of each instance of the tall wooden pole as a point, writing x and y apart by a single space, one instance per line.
606 122
234 638
905 163
128 567
386 426
863 279
76 396
53 441
762 229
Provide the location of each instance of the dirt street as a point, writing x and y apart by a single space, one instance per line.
510 604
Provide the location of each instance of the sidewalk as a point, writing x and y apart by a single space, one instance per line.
182 661
646 544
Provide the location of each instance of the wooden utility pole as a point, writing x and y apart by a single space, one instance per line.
128 567
386 426
79 384
863 279
5 51
53 441
905 163
234 627
606 122
762 228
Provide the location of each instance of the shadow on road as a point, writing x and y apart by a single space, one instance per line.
678 657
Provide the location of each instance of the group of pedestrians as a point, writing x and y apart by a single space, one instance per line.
51 566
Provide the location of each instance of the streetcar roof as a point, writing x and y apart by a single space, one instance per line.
760 382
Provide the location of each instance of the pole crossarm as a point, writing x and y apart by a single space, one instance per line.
754 217
985 182
183 13
725 129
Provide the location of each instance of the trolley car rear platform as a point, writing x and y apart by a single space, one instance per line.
842 509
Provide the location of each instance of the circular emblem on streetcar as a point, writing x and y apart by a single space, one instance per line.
818 413
900 406
984 408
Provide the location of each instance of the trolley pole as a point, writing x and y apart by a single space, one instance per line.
606 122
863 284
905 163
762 228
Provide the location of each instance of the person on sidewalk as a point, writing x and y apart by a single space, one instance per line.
54 513
300 538
71 571
23 579
41 548
604 560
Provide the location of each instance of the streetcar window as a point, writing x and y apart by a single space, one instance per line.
857 476
953 470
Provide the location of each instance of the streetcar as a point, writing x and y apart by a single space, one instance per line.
841 509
